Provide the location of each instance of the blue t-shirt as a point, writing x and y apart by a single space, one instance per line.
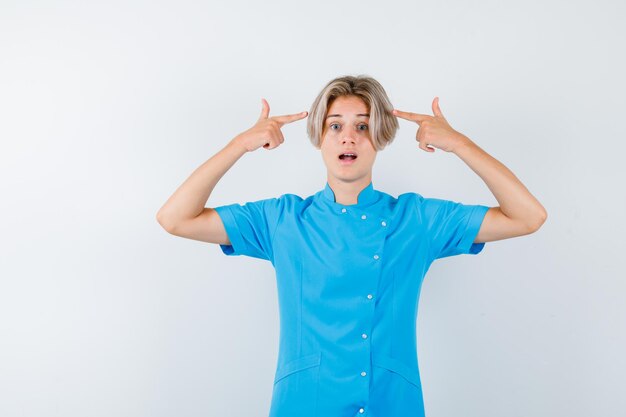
348 280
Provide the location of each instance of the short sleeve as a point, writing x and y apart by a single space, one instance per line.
250 227
451 226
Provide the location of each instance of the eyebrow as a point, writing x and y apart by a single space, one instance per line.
339 115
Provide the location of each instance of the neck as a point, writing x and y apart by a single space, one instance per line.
347 192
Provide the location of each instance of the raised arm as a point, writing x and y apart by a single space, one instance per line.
519 213
184 214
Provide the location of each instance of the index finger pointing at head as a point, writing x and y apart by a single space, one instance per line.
414 117
288 118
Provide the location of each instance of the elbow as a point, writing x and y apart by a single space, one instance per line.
538 220
164 222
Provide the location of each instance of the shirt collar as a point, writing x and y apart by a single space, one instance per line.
367 196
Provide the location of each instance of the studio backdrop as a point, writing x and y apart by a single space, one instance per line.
107 107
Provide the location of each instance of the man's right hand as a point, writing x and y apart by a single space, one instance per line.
266 132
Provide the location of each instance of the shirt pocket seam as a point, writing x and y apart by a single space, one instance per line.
297 365
394 365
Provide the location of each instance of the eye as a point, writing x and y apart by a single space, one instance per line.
362 126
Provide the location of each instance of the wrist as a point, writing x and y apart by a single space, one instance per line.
462 142
237 144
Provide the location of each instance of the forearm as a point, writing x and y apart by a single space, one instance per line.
189 200
515 201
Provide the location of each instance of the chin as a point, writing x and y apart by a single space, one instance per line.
348 176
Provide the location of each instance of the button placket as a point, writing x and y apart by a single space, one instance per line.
364 335
370 296
380 228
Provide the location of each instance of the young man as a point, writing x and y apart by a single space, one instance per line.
350 259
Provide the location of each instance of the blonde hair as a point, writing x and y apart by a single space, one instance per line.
382 123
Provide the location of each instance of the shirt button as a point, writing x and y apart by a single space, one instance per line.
376 256
343 210
364 217
361 410
383 223
363 373
364 336
369 296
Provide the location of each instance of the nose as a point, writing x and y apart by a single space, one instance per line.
349 135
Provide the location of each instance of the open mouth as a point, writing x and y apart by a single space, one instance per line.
347 156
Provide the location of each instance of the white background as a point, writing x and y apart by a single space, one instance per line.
107 107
